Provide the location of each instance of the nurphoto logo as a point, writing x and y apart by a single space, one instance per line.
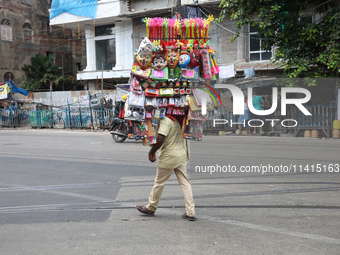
238 106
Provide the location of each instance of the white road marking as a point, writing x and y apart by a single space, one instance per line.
320 238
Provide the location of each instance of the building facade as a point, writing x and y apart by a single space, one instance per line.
25 31
118 28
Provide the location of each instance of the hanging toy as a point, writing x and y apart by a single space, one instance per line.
196 130
144 60
146 46
159 65
143 54
184 58
195 57
172 57
158 62
214 67
206 63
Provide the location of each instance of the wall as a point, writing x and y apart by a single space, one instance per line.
62 99
338 112
18 52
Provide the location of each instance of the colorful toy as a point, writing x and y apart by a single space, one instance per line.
206 64
184 59
144 60
158 61
172 62
140 73
172 57
146 47
159 65
195 57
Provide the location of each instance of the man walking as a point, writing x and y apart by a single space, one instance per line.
172 158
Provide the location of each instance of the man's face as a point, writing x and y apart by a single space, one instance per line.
144 60
158 63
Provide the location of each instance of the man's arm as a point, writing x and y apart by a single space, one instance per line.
155 147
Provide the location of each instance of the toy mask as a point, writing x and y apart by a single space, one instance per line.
144 60
184 60
172 57
158 62
146 46
195 58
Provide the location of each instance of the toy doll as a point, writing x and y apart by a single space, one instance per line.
158 61
159 65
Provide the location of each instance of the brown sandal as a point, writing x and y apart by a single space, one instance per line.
144 210
185 216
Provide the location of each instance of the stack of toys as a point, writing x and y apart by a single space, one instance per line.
174 63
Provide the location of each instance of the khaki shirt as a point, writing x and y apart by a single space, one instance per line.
173 152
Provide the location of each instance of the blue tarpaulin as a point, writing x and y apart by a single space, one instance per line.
15 89
87 8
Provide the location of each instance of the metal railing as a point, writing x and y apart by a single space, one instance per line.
71 117
322 115
14 118
61 118
219 113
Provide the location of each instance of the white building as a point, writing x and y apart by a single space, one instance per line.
114 34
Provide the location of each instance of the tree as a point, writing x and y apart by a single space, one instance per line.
42 73
306 49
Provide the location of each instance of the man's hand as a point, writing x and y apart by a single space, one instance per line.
152 157
155 147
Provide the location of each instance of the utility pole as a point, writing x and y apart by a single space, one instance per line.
51 88
102 85
178 7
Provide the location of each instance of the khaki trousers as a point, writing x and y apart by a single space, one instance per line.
162 176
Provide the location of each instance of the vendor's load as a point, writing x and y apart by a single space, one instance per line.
174 63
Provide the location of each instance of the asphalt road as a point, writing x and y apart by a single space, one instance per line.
74 192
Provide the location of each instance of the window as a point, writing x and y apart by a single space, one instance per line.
255 43
28 33
306 20
8 76
50 55
193 12
6 30
105 39
78 67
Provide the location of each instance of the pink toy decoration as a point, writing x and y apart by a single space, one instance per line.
206 64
